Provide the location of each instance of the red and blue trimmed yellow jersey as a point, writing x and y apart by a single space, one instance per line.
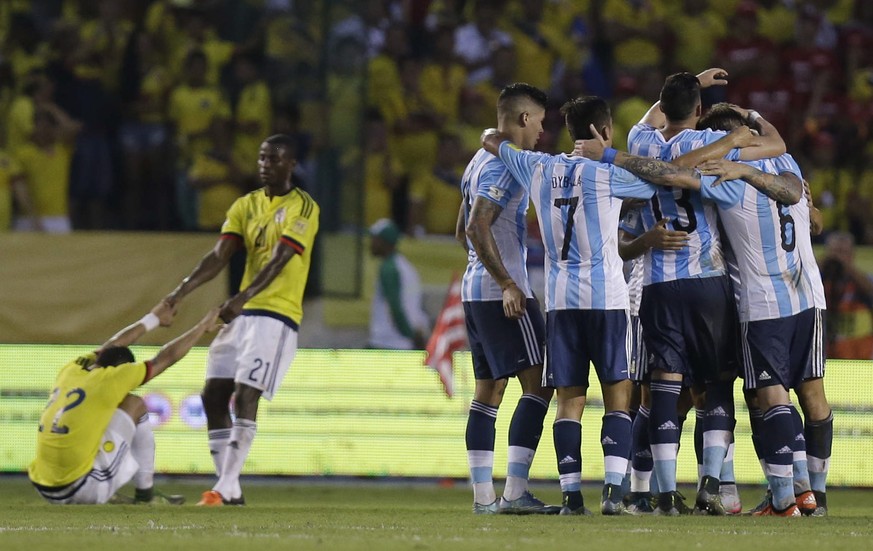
79 409
262 223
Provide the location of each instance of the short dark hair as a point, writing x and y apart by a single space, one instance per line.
584 111
115 355
284 140
721 116
680 95
511 94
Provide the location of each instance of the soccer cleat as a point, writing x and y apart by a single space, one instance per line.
572 504
671 504
708 501
730 498
765 502
527 504
639 503
486 509
210 498
611 502
806 503
160 498
770 511
821 501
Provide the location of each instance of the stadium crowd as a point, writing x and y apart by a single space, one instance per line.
144 114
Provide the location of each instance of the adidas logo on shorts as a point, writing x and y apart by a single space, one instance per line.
764 376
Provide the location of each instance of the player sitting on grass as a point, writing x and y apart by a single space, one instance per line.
93 435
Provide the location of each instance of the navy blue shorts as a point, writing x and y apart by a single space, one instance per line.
502 347
784 351
689 327
639 359
577 338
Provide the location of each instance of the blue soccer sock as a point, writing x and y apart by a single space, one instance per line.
777 433
819 440
718 423
801 472
567 434
480 450
615 439
727 468
641 454
664 431
525 431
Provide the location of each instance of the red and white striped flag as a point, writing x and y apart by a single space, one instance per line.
449 335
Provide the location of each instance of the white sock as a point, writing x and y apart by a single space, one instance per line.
218 439
241 436
143 450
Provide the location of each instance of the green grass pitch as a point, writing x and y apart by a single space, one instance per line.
293 514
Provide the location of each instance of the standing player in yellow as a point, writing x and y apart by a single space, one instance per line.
276 225
93 435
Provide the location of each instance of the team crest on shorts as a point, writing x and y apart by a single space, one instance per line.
108 446
279 217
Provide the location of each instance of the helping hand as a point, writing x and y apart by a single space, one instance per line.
165 312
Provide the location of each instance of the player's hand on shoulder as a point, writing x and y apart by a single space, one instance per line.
743 136
724 169
715 76
592 148
165 312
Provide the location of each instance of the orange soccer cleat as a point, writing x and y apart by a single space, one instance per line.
210 498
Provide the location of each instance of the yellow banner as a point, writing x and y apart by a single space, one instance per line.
75 288
382 413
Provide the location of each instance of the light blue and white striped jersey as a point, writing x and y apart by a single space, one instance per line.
778 275
633 268
702 257
578 203
487 177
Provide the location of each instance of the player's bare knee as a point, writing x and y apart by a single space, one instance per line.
490 391
531 380
216 396
616 396
813 402
134 406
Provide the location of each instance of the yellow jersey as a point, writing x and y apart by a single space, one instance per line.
79 409
263 222
48 177
254 106
213 200
192 110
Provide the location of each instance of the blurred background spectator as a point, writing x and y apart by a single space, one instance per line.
146 115
849 293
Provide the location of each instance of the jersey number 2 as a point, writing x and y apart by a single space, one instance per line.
57 428
568 229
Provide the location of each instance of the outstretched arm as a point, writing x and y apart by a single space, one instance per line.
652 170
233 306
785 188
209 267
162 315
770 143
176 349
482 217
711 77
741 137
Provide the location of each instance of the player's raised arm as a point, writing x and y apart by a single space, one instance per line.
785 187
176 349
652 170
770 143
739 138
162 314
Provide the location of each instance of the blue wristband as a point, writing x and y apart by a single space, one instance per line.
608 155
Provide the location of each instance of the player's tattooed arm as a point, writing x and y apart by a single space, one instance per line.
785 188
482 217
658 172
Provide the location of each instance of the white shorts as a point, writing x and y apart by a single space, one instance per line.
253 350
50 224
113 467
